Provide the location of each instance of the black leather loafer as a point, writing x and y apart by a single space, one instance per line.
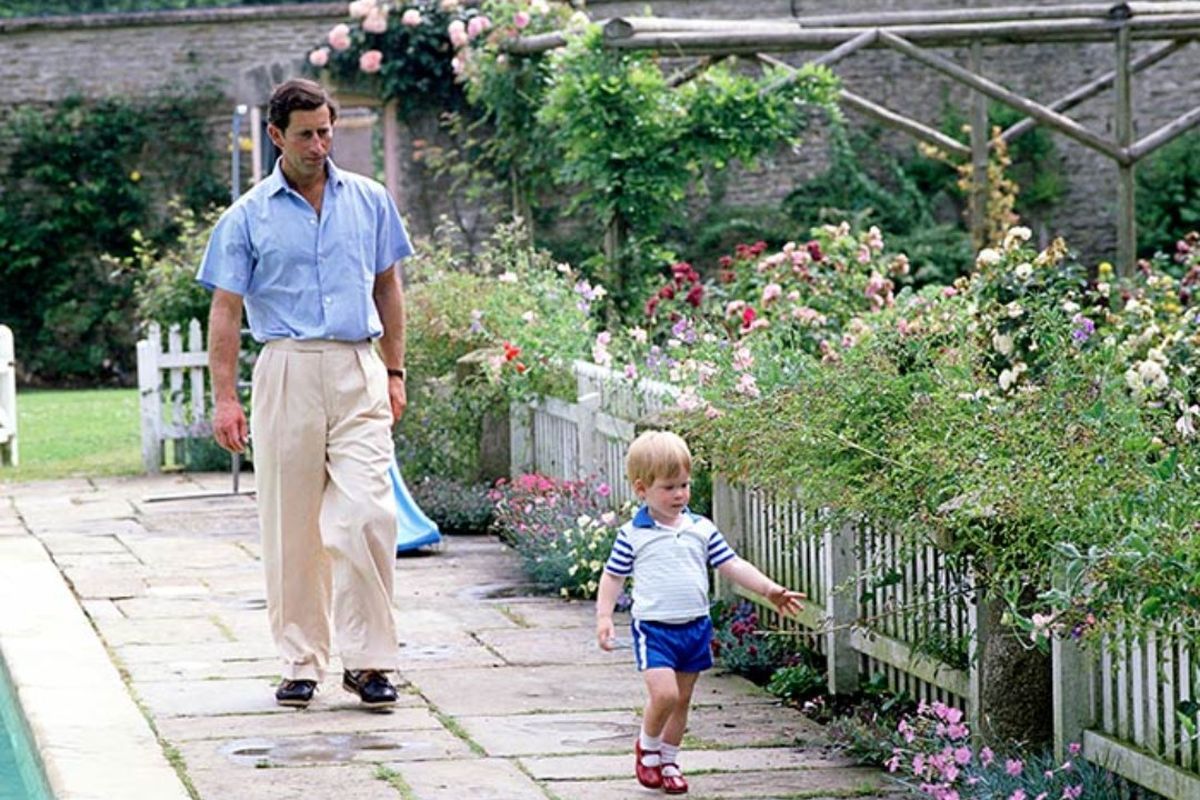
297 694
371 686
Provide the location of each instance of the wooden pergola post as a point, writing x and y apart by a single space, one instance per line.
1126 190
979 156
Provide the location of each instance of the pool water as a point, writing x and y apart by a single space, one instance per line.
21 776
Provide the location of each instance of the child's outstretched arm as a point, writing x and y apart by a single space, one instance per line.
606 601
748 576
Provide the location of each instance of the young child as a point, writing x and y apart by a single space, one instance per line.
668 550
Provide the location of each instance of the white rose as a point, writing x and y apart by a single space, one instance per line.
987 258
1003 343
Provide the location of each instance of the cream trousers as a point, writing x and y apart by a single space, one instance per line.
321 425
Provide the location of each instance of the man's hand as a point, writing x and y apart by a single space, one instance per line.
229 426
398 395
786 601
605 633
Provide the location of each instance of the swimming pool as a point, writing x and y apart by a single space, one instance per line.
21 776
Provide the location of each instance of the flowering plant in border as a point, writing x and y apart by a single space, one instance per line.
562 530
934 754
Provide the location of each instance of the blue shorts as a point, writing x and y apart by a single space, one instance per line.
683 647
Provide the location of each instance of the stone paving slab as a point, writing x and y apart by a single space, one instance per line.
325 748
451 650
618 766
314 720
529 646
349 782
488 779
547 734
266 668
740 785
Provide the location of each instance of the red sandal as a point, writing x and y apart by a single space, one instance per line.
650 777
675 783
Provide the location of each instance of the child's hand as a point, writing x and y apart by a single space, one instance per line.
786 601
605 634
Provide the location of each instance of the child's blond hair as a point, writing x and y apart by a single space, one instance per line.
657 454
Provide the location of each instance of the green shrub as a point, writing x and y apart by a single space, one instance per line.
796 683
83 177
456 507
1168 195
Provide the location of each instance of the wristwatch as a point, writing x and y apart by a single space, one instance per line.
401 373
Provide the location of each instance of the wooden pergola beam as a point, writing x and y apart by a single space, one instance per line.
844 50
1095 87
1151 142
883 114
678 37
1063 124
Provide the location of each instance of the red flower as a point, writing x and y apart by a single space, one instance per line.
726 262
651 306
758 248
667 292
726 276
520 367
748 316
695 295
510 351
814 250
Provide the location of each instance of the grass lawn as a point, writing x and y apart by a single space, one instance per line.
76 432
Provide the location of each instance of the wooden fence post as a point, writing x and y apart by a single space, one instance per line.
150 393
728 516
8 399
1072 684
585 425
841 608
520 432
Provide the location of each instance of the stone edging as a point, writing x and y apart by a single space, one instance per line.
92 738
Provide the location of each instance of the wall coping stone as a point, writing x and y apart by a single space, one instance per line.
194 16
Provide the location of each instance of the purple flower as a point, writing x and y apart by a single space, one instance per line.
1084 328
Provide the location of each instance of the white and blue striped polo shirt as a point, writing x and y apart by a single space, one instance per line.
669 565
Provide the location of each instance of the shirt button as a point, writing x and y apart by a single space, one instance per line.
328 301
313 221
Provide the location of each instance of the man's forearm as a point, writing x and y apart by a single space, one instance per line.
224 343
389 301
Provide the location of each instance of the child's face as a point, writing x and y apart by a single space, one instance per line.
666 497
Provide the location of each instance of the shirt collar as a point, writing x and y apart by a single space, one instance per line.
277 183
642 518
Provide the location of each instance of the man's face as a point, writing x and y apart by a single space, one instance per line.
306 142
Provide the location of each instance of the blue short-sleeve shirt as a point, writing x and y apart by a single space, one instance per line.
304 276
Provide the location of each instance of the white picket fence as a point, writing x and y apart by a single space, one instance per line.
585 439
172 385
1121 706
9 451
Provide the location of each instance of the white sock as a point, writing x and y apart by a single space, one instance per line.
648 743
670 758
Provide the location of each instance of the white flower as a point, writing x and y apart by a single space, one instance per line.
360 8
747 385
507 277
1009 377
583 520
1103 288
1069 307
1003 343
529 317
1014 310
1023 271
1016 237
1186 424
688 400
638 335
987 258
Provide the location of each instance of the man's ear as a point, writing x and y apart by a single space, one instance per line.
276 135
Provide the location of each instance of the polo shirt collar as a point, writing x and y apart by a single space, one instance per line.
642 518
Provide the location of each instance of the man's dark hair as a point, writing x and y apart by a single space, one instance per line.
298 94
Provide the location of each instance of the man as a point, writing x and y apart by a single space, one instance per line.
311 252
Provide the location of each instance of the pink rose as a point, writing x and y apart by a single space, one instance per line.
411 18
360 8
478 25
339 36
521 20
376 21
458 33
319 57
370 61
